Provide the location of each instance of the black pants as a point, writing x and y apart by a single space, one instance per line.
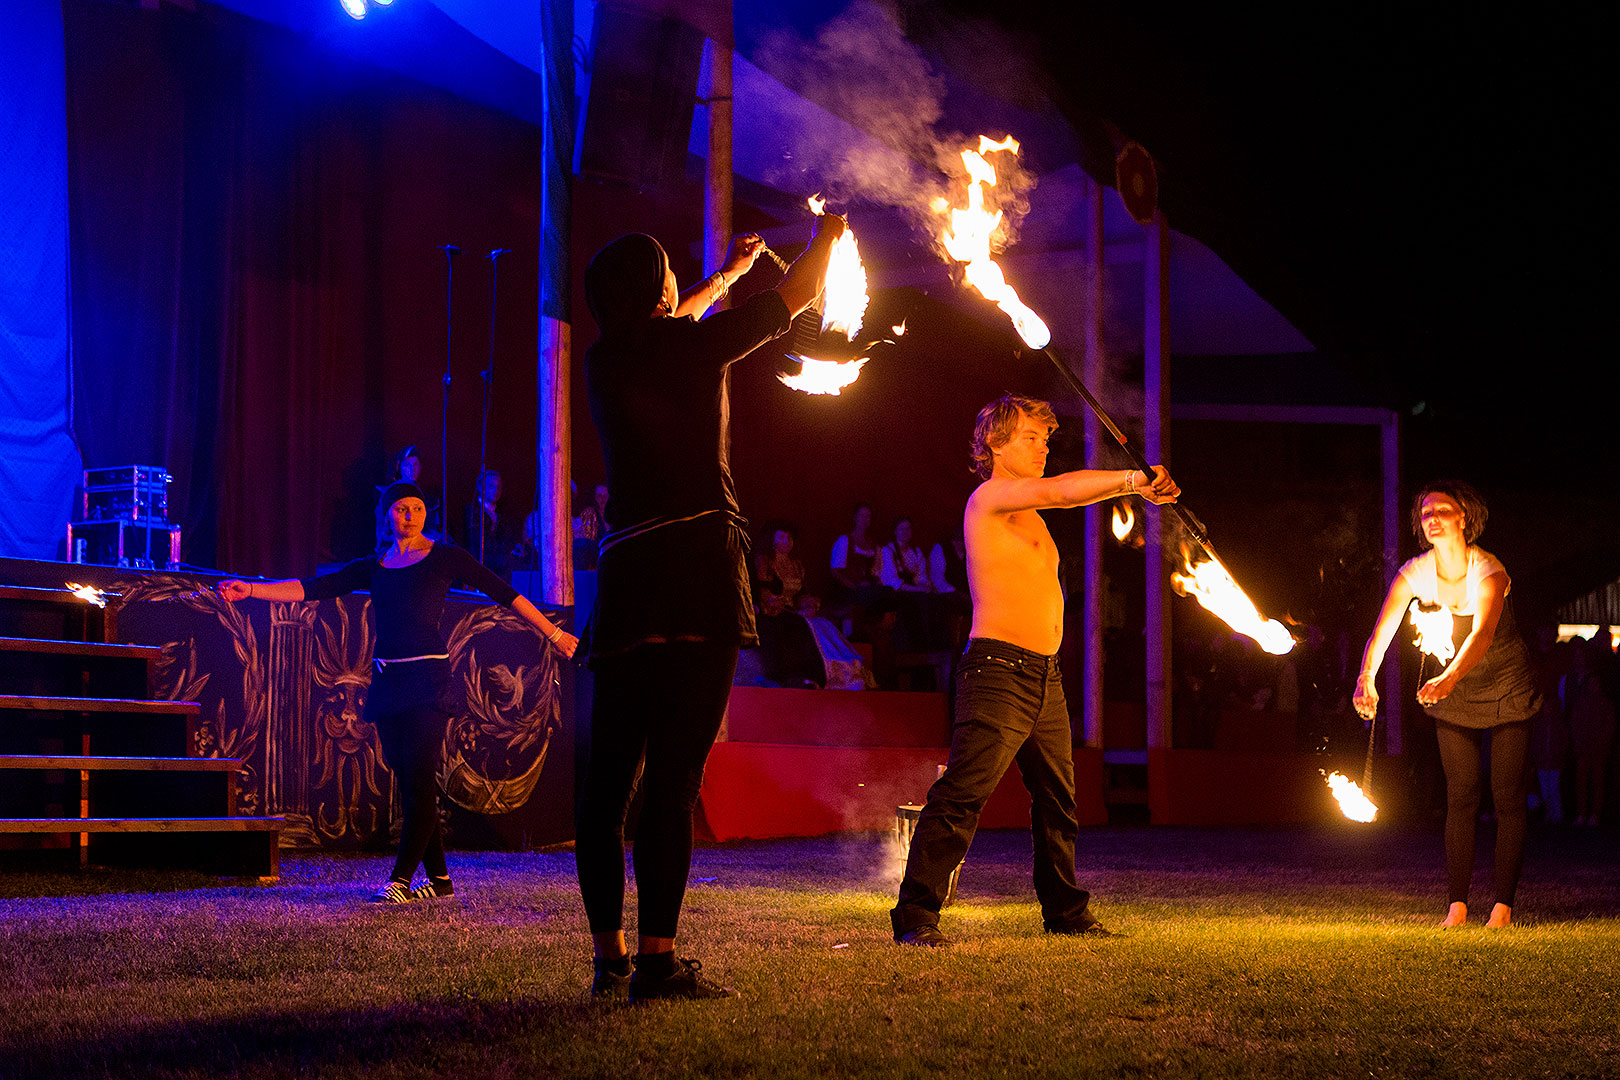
1459 757
654 718
1009 707
409 704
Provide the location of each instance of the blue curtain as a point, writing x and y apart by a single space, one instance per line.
39 463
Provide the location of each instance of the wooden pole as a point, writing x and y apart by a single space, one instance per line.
1092 703
1156 443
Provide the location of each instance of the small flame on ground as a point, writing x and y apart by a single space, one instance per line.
88 593
1433 626
968 239
1212 586
1353 803
823 376
1124 520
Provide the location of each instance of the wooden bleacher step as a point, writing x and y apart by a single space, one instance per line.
100 649
141 825
129 706
76 762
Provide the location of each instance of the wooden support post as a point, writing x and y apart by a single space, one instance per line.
1390 445
1156 444
1092 703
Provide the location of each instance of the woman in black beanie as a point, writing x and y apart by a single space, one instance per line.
673 601
409 701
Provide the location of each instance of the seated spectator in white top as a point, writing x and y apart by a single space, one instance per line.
904 567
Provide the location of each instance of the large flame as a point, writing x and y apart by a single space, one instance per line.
1433 625
1209 582
88 593
1353 803
1124 521
968 238
823 376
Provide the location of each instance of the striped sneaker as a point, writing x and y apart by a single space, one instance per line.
433 889
392 893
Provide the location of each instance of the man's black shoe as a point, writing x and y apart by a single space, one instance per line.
927 934
685 982
1086 926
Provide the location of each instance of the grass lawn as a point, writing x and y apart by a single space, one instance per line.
1248 952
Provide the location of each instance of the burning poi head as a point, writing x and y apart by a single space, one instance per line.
1433 626
88 593
1353 802
843 308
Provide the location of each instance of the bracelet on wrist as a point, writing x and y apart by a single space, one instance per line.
555 635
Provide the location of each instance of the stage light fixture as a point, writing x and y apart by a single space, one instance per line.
355 9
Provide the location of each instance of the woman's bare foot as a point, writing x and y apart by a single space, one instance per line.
1501 915
1456 915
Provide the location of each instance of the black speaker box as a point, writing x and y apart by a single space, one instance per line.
644 76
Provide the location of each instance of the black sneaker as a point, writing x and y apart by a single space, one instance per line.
927 935
609 986
392 893
433 889
686 982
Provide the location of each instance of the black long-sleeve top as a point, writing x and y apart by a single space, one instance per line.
408 602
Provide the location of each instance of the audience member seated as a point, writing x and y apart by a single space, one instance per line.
953 604
788 652
1589 708
903 571
491 538
855 591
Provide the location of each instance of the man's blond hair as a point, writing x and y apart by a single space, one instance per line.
997 422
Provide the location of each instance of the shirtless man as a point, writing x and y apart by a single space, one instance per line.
1009 695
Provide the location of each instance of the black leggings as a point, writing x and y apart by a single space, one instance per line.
1459 756
407 704
654 717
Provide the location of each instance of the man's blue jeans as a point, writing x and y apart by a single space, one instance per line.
1009 707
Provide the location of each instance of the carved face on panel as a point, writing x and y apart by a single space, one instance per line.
347 747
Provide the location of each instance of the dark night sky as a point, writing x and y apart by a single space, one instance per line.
1425 191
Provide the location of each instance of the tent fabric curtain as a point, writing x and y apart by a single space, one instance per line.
257 297
39 462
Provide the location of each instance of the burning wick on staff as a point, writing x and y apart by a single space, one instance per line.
1353 804
88 593
1212 586
823 376
1124 521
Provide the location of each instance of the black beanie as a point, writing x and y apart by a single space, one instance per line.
625 281
396 491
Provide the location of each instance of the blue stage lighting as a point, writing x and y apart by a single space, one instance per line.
355 9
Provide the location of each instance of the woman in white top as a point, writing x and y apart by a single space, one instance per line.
1488 684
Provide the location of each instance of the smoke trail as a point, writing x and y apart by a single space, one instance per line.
862 68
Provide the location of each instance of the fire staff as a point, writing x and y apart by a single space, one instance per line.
673 601
1009 694
1487 687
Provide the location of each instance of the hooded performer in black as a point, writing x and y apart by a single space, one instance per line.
673 604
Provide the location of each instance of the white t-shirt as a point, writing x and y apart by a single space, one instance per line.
1422 574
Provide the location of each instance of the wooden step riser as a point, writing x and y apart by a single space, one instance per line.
107 794
79 762
254 854
101 735
44 675
60 620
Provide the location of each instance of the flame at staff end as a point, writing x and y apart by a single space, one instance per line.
823 376
1353 802
1124 521
1212 586
967 240
88 593
1433 626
